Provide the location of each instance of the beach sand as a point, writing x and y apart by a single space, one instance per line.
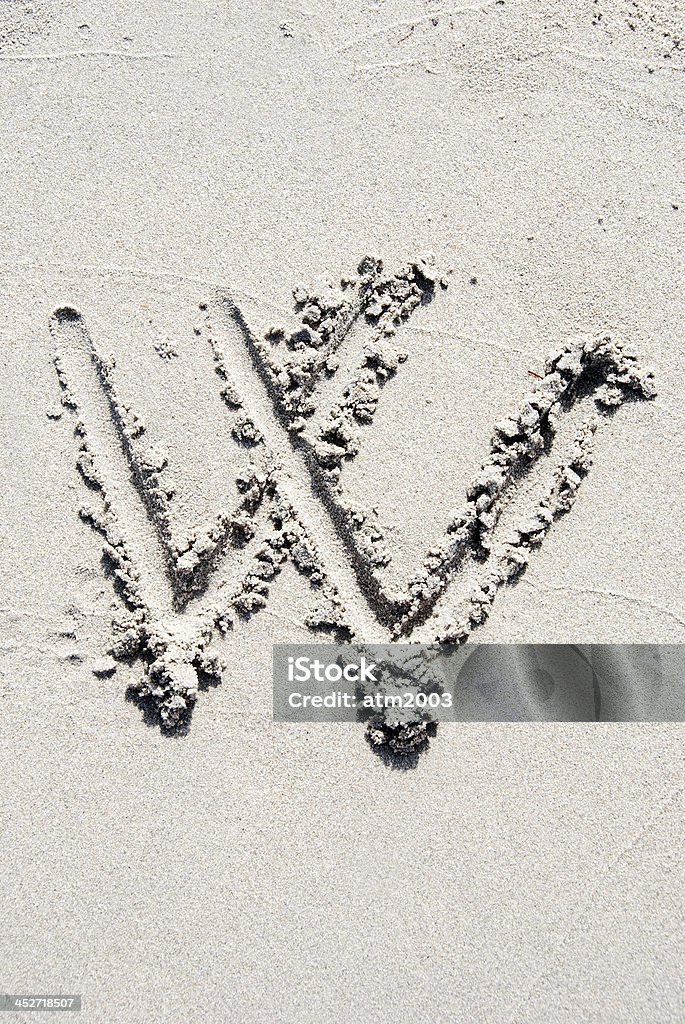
175 183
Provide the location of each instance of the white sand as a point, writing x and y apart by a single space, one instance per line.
154 156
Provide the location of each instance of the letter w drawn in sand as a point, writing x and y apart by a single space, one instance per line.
312 394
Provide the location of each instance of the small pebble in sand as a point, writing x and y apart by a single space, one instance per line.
105 666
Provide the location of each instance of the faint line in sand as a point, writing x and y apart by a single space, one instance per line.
618 595
85 54
18 268
410 24
580 915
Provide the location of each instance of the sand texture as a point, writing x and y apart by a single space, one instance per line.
353 322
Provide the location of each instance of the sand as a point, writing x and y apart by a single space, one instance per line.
291 295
